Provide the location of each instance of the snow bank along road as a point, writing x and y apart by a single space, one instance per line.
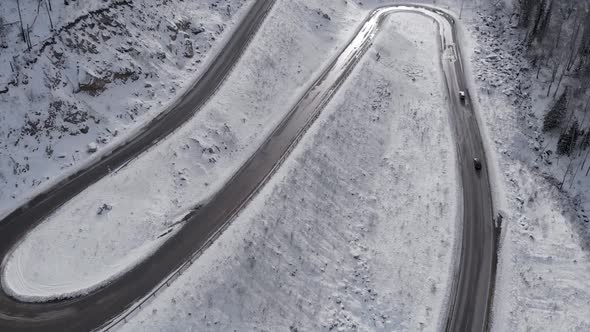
470 301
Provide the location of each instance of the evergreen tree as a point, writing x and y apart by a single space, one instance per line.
554 118
568 139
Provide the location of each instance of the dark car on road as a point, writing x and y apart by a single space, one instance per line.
477 164
462 95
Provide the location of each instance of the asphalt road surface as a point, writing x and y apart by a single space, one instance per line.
470 300
92 311
471 297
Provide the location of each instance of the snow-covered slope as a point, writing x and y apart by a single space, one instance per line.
360 222
341 237
147 196
108 67
543 268
356 230
105 68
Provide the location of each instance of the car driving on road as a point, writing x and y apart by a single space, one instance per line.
477 164
462 95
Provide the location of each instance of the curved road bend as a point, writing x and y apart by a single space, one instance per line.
471 296
91 311
471 293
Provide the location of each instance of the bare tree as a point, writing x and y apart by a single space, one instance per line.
526 8
539 10
584 49
583 123
556 66
1 31
565 174
49 15
565 14
544 22
584 142
559 82
20 17
573 42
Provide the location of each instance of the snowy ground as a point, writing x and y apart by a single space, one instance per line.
356 230
187 167
113 65
544 264
357 215
109 66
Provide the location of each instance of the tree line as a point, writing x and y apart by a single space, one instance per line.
557 39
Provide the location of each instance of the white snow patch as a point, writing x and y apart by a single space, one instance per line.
26 284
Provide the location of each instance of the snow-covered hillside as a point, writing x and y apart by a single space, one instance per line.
186 168
358 221
356 230
105 68
542 282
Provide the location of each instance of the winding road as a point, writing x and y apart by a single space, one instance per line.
471 297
